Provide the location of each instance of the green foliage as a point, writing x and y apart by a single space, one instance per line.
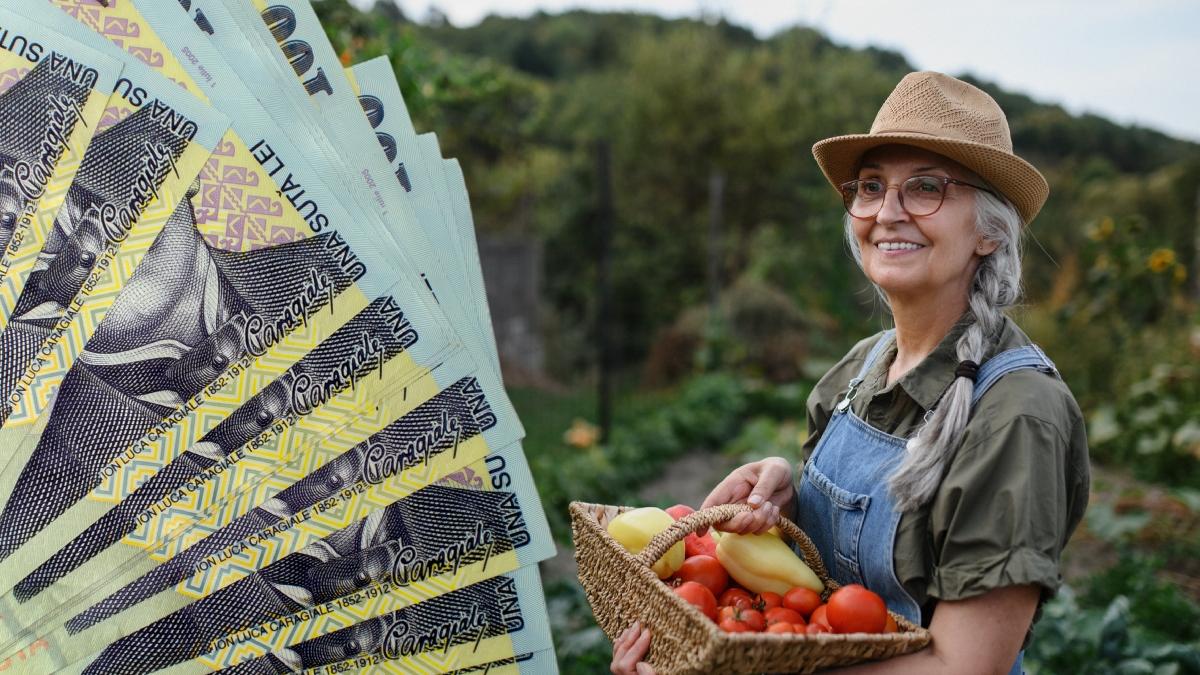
1155 426
1155 606
1124 293
579 644
1071 638
523 103
703 415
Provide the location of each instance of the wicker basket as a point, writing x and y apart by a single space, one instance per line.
622 588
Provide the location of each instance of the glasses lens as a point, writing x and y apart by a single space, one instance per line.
863 197
923 194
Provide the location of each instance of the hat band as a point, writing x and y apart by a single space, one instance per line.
940 137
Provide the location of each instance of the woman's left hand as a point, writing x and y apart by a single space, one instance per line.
629 649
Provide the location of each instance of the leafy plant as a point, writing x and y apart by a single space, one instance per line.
1103 641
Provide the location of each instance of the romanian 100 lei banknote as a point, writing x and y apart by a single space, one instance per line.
397 328
478 522
379 96
287 37
53 92
274 35
368 464
488 621
225 471
536 663
136 170
45 576
213 315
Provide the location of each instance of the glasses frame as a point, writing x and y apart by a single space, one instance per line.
844 188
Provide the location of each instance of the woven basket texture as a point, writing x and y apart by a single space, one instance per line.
622 588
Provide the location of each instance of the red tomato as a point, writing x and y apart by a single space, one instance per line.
705 570
733 626
767 600
814 628
803 600
781 627
891 626
736 597
783 615
854 609
695 544
680 510
754 619
818 617
699 596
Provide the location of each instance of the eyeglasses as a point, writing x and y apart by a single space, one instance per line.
919 195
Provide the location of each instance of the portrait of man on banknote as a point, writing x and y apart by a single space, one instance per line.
24 113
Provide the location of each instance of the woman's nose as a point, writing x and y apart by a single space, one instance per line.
892 210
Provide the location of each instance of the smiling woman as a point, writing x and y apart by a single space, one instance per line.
947 462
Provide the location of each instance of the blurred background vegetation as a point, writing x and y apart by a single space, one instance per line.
1112 279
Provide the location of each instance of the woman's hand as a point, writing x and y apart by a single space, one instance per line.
765 485
628 650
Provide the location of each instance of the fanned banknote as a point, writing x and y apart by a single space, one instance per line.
491 620
53 92
291 37
148 513
536 663
374 82
305 461
285 36
152 141
386 112
293 402
479 522
376 461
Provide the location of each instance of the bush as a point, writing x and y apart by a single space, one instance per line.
758 331
1074 639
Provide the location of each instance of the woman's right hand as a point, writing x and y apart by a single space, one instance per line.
765 485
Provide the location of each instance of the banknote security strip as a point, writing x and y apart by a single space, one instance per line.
245 337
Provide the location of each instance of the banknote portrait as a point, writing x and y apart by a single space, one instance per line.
402 543
437 425
24 115
87 222
178 323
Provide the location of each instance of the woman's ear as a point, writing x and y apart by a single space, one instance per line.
986 247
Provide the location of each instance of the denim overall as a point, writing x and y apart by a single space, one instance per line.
844 503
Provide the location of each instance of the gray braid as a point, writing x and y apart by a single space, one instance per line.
996 286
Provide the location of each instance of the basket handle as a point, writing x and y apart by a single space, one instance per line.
705 518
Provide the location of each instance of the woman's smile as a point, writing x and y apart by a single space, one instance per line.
898 247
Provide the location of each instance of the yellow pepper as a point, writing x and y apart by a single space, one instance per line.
763 562
634 529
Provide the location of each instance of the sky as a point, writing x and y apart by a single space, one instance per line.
1132 61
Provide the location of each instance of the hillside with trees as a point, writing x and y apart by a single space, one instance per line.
712 330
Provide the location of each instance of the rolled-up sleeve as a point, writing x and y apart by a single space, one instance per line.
1004 511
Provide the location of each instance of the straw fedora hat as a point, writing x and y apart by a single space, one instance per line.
952 118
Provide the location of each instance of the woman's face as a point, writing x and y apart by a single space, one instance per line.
920 258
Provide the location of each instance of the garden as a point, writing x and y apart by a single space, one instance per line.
724 305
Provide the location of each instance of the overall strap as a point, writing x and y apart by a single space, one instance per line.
1029 356
880 345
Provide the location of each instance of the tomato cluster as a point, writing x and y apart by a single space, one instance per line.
704 583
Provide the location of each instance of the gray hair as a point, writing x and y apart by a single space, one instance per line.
996 286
